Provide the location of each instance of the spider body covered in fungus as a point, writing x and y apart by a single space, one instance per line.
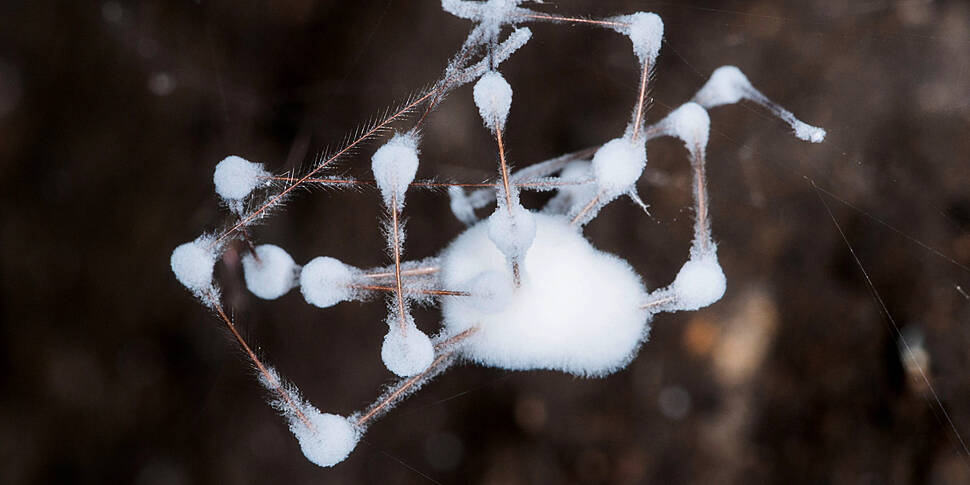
519 289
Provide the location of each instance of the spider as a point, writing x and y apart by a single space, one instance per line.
521 289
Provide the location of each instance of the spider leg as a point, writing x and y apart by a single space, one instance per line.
700 281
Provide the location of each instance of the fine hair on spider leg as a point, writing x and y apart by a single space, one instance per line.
520 289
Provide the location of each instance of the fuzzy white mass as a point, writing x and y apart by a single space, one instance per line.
193 263
408 352
330 439
513 231
493 96
728 85
576 311
394 165
326 281
699 283
617 166
235 177
272 275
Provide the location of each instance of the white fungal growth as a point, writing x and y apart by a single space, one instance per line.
646 31
691 123
520 290
513 231
329 441
271 273
235 177
617 166
406 351
700 282
394 165
326 281
577 312
493 96
728 85
193 264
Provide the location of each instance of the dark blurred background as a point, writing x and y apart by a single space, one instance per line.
113 115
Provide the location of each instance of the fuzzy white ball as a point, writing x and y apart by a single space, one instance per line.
394 165
272 275
326 281
512 231
408 352
618 164
235 177
329 441
493 96
193 264
689 122
699 283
